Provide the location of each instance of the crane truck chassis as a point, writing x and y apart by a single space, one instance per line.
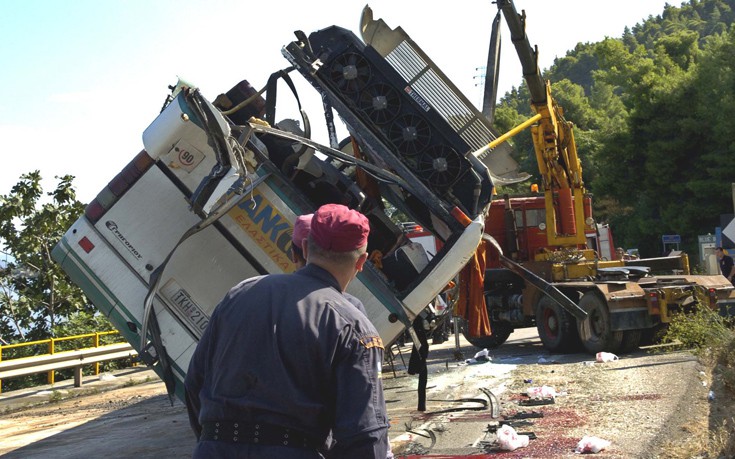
626 301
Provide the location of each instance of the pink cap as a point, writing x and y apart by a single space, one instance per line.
301 228
338 228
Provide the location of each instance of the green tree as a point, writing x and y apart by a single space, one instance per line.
36 295
651 124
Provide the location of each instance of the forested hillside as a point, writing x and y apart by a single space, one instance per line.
653 122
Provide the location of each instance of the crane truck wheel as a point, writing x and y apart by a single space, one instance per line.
631 340
596 330
501 331
556 327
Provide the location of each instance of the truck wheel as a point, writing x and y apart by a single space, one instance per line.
501 332
556 327
595 331
631 340
653 335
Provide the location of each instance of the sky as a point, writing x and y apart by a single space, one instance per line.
81 80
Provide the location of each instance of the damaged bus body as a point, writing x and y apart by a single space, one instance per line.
212 198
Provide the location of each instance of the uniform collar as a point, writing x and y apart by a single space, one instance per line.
320 273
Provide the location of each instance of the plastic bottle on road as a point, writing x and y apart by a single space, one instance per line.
606 357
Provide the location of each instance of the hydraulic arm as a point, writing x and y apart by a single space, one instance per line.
553 140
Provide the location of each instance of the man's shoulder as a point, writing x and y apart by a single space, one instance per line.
259 283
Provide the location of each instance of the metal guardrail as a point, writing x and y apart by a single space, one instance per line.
53 361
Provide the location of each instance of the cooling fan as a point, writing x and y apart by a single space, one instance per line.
440 165
350 72
380 102
410 134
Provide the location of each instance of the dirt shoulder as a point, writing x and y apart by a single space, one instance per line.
639 403
130 415
649 404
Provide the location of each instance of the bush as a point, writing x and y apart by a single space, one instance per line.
702 330
712 338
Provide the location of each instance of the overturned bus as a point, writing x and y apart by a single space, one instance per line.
212 197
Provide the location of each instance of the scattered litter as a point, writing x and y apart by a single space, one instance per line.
606 357
512 422
509 440
528 381
704 383
588 363
541 392
525 415
480 357
107 377
537 401
483 355
711 396
591 445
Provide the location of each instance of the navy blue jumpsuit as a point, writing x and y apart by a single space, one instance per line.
290 350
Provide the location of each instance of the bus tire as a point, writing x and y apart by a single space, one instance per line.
500 333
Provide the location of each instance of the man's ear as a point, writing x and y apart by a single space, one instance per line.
304 249
361 261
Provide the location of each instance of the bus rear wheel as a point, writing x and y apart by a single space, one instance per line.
500 333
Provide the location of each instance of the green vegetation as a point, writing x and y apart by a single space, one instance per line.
134 381
56 396
652 125
712 338
703 330
37 299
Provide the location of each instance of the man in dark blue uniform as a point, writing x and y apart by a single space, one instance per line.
301 228
286 358
726 264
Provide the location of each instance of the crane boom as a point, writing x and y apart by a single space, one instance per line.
554 145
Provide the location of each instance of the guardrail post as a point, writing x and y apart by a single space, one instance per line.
96 365
1 359
78 376
51 351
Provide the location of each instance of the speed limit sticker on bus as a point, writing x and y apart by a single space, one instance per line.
184 156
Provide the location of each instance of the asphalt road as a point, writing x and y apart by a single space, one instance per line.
137 420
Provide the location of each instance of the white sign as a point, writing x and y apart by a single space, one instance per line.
729 230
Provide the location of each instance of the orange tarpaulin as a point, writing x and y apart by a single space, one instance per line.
471 303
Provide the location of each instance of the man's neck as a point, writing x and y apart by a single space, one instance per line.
341 275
